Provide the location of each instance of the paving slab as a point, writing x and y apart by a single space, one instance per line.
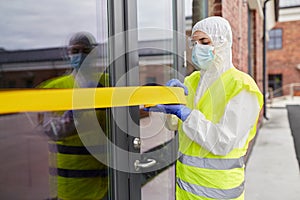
272 171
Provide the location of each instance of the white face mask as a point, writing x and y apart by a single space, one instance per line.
202 56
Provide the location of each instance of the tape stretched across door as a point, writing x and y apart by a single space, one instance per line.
34 100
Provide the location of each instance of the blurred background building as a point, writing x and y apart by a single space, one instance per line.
283 51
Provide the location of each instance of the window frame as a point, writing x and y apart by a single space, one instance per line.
275 39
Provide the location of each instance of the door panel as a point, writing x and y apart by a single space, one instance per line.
35 48
160 57
134 47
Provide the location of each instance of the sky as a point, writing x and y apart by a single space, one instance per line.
39 23
32 24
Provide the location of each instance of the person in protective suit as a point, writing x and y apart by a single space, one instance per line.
219 119
74 172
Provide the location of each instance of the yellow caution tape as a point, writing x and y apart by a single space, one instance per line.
33 100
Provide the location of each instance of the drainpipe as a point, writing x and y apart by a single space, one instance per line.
264 61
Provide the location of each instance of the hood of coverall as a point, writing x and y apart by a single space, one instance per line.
219 31
83 38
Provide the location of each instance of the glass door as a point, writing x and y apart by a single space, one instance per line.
54 155
161 45
111 153
147 42
141 50
156 67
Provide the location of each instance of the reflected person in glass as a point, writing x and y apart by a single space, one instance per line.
74 172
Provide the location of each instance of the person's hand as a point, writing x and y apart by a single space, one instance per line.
181 111
177 83
67 117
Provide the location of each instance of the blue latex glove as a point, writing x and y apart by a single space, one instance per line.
177 83
181 111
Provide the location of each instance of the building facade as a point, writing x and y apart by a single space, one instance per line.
283 51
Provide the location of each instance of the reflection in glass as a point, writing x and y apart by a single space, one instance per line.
156 57
42 154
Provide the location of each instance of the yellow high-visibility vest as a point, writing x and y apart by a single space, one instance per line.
77 174
201 174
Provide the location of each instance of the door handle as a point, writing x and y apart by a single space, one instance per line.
138 164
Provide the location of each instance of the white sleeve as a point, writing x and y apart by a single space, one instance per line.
233 129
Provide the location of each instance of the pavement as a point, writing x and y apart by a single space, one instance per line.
272 171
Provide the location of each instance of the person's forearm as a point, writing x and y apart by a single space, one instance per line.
232 129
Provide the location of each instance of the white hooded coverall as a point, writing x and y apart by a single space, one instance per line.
222 139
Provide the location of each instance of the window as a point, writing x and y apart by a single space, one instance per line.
275 83
275 40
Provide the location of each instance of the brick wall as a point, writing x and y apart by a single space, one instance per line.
215 8
258 49
236 12
284 61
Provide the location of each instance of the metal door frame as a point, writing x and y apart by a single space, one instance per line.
123 45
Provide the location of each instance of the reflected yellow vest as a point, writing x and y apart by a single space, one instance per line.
76 173
201 174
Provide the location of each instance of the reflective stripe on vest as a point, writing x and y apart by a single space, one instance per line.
211 163
68 173
77 150
211 192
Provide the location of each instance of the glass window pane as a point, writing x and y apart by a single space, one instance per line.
275 39
154 20
271 33
278 32
270 45
278 43
156 56
43 44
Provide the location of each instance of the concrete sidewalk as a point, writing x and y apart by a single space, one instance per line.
272 171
